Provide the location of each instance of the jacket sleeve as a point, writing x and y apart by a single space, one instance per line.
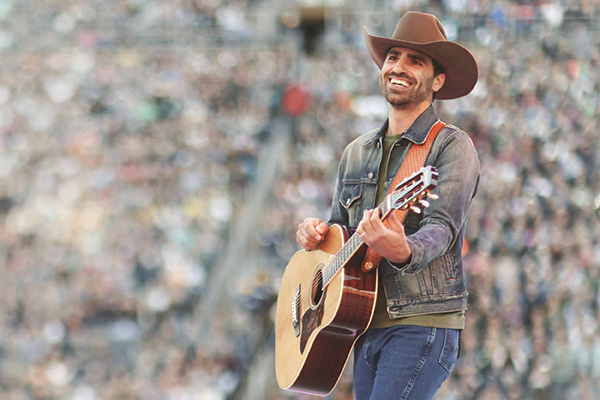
444 221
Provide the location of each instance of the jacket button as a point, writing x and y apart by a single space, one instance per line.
348 202
370 175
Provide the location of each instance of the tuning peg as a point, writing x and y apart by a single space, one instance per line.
433 196
424 203
416 209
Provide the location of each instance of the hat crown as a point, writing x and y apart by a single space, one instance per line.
419 28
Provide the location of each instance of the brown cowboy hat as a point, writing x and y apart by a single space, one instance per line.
425 33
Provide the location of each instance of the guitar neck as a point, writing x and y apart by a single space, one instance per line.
351 247
410 191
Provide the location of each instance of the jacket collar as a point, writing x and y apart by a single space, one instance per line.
418 131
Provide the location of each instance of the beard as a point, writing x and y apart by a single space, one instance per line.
416 95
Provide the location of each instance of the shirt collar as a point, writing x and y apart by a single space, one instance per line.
417 133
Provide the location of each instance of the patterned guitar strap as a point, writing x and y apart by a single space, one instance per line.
414 161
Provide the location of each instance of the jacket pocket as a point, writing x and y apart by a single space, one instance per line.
350 200
445 267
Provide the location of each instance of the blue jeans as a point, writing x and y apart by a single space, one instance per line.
403 362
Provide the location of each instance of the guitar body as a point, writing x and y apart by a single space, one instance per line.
326 301
317 327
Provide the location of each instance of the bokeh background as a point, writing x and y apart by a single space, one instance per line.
156 157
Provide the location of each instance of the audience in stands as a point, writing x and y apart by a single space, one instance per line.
123 163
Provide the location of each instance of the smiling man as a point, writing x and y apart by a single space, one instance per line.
404 90
411 344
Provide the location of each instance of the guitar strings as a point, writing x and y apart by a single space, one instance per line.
408 199
335 263
344 254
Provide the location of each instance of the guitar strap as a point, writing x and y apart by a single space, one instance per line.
414 161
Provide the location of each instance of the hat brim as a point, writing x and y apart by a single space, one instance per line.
458 63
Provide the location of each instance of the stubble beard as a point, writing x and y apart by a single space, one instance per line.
408 99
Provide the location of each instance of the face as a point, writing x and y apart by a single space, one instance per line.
407 78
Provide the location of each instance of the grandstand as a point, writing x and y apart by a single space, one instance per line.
151 182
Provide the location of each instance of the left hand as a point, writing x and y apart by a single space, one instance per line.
389 242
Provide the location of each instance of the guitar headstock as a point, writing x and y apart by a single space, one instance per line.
415 189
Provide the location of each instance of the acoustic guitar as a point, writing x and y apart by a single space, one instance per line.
326 300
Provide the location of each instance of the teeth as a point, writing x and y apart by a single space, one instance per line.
395 81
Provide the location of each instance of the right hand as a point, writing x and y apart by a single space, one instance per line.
311 232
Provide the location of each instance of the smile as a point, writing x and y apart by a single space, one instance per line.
399 82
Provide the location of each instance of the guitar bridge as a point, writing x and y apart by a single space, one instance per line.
296 311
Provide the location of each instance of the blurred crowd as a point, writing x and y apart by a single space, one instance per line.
128 146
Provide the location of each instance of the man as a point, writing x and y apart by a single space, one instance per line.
411 344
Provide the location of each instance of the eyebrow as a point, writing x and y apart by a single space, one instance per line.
412 56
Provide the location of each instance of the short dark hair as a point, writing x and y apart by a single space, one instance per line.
437 69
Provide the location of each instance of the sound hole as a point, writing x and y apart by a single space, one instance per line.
317 288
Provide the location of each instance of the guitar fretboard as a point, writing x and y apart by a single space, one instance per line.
350 247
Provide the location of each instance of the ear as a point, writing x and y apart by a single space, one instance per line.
438 82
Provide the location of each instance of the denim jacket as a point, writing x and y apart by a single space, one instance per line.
433 281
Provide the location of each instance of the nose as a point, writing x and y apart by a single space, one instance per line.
400 65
